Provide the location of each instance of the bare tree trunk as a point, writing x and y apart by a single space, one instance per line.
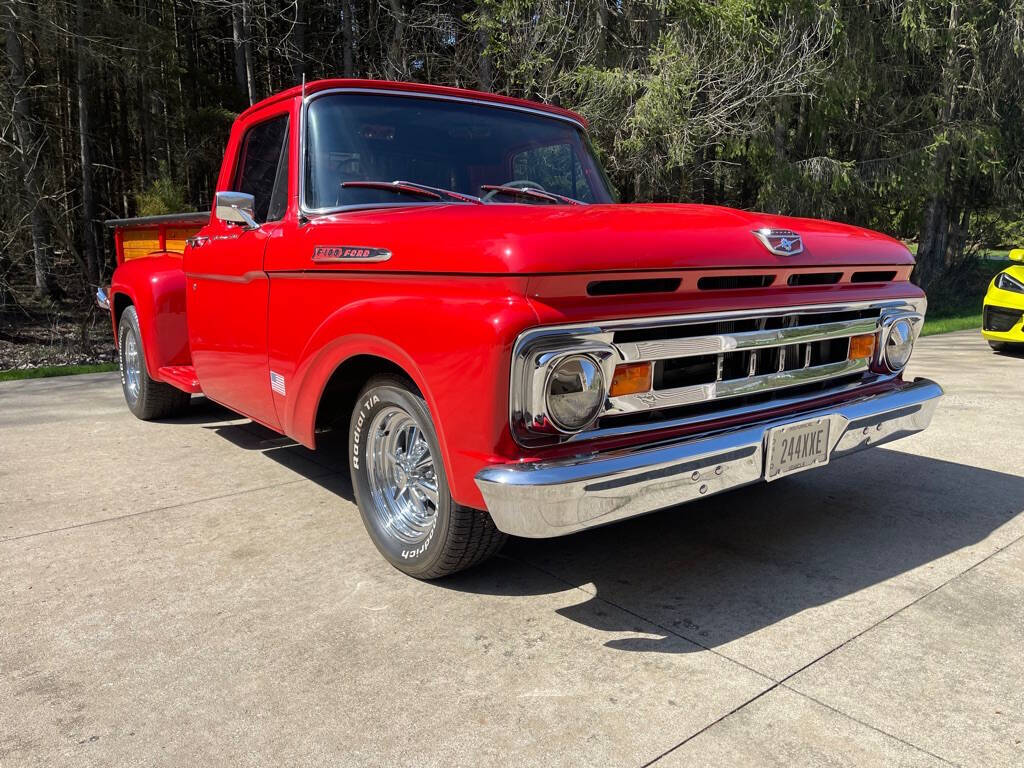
250 76
962 232
395 58
6 299
42 248
124 163
933 243
271 84
142 96
29 154
299 42
89 239
243 61
483 35
236 34
181 71
348 36
145 166
602 32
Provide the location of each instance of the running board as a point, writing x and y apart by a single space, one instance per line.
181 376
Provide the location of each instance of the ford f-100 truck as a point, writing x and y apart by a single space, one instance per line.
446 276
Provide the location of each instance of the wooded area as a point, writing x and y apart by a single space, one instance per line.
902 115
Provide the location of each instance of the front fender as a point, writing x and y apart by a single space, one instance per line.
155 285
451 335
331 346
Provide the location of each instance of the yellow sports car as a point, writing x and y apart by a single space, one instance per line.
1004 306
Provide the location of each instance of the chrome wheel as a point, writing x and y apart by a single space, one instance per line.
132 365
402 477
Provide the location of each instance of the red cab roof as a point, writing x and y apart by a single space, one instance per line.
388 85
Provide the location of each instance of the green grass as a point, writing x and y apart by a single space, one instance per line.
955 303
47 371
995 255
949 324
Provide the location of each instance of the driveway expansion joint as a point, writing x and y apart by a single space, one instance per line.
116 518
782 683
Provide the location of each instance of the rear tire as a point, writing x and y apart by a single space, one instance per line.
147 398
401 486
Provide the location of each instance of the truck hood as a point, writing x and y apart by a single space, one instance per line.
530 239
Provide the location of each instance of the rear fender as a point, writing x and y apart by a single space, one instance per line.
155 286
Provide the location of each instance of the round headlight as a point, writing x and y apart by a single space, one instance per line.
899 343
575 393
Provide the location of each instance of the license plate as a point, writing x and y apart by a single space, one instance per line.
796 447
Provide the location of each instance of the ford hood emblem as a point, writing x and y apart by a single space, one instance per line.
781 242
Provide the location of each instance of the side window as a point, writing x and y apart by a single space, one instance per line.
556 168
262 168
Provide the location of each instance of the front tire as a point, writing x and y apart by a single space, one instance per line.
147 398
401 486
998 346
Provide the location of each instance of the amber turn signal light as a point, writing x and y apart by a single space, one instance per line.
862 347
631 378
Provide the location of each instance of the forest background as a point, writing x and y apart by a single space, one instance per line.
905 116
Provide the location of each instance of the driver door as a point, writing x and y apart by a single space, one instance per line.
226 286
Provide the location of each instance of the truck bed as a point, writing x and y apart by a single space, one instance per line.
145 235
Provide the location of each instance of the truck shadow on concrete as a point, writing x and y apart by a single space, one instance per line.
718 570
705 574
327 466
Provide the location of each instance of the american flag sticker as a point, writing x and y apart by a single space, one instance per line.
277 382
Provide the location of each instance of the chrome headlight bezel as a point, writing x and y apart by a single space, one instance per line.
891 326
530 407
596 389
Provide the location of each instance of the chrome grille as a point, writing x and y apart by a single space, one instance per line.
740 357
706 367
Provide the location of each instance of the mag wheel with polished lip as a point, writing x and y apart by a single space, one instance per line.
402 490
147 398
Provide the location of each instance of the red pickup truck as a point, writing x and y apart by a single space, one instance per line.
445 275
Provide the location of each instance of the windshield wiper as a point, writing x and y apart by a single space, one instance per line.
532 192
412 188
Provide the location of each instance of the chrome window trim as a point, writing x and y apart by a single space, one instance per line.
307 100
578 337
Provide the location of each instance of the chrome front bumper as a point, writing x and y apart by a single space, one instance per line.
553 498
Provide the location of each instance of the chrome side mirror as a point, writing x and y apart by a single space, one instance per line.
236 207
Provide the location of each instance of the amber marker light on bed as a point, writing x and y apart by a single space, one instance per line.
631 378
862 346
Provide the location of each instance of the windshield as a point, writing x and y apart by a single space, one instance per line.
447 145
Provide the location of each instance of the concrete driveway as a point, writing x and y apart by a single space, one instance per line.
202 593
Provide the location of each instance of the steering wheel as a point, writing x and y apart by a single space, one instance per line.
518 184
